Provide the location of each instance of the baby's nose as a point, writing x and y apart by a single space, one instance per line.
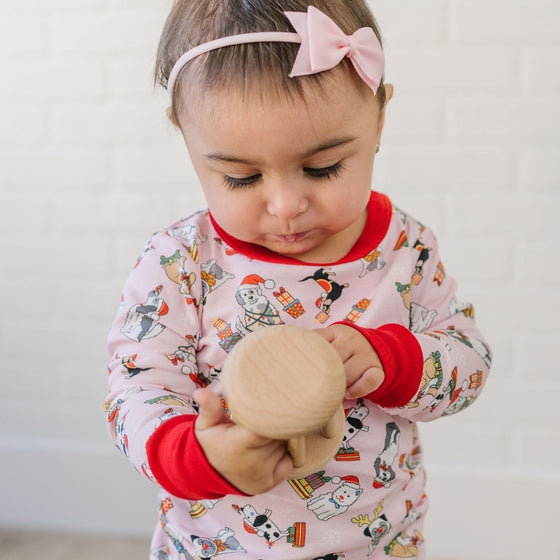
286 203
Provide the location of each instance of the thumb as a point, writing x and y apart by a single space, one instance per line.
211 411
283 469
368 382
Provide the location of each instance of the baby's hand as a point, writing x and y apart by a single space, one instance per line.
252 463
364 370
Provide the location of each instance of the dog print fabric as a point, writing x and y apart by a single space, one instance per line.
191 297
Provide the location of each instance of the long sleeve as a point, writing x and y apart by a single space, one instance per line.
401 357
153 370
179 465
455 358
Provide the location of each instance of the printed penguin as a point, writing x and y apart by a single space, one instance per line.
130 367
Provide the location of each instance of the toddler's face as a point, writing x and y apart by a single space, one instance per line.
290 176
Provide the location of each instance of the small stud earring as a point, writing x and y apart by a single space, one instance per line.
377 148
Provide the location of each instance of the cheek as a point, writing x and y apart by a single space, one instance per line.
349 200
234 213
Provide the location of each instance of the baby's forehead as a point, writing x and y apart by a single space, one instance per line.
247 99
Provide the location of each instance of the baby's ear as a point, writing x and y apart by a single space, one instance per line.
389 90
381 119
171 116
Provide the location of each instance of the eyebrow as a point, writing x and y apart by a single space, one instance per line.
334 143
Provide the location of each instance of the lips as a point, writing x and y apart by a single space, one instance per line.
292 237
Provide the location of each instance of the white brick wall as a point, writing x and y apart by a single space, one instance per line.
89 168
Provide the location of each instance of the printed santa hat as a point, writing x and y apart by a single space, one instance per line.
350 480
255 280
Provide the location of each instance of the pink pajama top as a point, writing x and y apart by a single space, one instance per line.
196 291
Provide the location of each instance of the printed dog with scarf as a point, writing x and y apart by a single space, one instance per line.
334 503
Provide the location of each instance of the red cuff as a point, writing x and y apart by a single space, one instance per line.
401 356
179 464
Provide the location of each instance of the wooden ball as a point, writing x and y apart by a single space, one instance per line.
286 382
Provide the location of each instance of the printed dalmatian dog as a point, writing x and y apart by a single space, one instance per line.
260 524
355 422
338 501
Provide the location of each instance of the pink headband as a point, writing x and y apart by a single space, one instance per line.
323 46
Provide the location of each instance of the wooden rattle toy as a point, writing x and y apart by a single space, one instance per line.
285 382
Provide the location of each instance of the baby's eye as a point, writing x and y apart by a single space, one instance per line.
240 182
330 172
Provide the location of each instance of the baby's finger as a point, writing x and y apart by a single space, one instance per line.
355 366
371 380
339 342
327 334
279 461
211 412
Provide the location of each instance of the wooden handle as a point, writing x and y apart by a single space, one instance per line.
296 448
330 429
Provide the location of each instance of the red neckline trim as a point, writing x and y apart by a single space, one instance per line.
378 219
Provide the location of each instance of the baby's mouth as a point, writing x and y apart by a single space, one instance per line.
293 237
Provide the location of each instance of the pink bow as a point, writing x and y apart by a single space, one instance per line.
324 45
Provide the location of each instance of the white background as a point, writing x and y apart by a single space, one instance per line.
89 168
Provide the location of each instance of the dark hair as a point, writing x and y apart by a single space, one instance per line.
193 22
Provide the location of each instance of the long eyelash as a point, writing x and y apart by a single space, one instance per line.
331 172
233 183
